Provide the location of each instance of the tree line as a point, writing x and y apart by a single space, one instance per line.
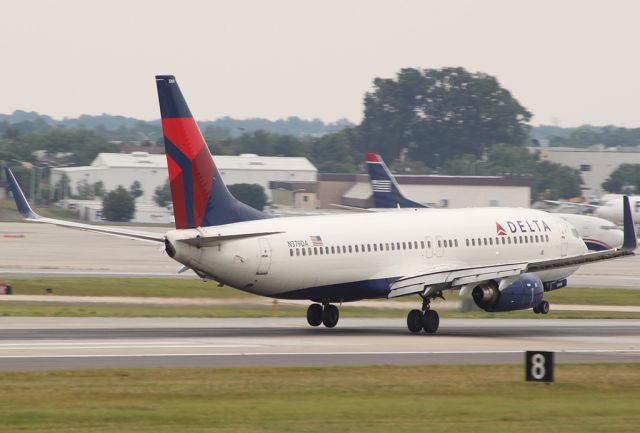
447 120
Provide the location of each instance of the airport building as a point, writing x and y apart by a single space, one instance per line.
114 169
595 165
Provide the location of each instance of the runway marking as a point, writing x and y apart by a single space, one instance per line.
250 354
27 346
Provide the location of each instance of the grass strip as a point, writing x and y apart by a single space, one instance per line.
491 399
193 288
93 310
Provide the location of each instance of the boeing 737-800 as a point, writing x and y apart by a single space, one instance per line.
505 257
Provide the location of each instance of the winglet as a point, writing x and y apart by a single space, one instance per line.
630 240
21 202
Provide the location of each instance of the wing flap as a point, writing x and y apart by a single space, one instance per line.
453 277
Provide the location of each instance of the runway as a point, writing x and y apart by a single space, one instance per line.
68 343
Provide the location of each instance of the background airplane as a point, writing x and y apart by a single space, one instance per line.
607 207
597 233
506 258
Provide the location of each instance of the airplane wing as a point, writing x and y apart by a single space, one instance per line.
29 215
456 276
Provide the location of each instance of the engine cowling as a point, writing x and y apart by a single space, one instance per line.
525 292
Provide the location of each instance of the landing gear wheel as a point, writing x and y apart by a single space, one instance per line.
414 321
330 316
543 307
314 314
430 321
536 309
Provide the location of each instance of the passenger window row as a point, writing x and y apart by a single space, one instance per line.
507 240
359 248
415 245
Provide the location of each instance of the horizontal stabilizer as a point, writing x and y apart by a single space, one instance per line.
207 241
27 213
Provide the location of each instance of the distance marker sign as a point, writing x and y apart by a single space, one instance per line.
539 366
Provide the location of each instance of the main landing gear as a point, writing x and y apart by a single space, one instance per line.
427 319
541 308
326 314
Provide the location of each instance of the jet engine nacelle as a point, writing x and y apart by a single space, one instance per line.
525 292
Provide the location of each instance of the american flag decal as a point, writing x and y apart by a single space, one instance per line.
381 185
316 241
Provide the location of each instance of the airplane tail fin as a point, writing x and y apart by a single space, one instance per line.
386 192
200 197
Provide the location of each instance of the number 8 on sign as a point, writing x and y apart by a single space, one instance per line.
539 366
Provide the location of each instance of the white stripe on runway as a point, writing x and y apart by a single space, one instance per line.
249 354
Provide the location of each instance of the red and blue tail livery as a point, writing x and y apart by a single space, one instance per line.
200 198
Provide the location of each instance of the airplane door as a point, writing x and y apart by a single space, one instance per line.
428 247
265 257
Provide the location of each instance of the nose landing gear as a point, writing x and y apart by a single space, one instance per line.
326 314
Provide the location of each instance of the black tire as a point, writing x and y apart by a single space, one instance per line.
544 307
536 310
314 314
430 321
330 316
414 321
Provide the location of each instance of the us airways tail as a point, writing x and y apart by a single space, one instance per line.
200 197
386 192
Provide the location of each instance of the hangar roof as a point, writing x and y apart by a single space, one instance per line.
223 162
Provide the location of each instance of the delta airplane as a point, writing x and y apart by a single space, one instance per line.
598 234
506 258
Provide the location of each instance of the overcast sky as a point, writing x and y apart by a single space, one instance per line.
570 62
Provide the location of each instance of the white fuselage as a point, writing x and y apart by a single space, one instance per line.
358 250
